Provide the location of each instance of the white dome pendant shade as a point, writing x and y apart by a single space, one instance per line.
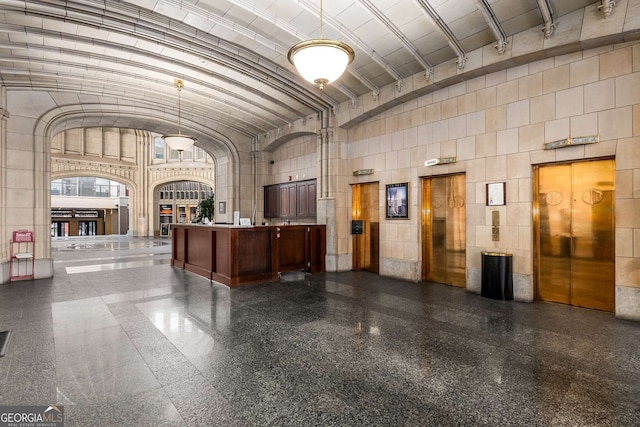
178 141
321 61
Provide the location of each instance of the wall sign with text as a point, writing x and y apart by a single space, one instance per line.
496 194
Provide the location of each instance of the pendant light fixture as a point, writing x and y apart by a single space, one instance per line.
321 61
179 142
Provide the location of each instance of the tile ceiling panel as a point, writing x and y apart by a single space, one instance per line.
430 43
451 10
525 20
468 25
354 16
284 11
563 7
400 14
477 40
516 16
372 32
418 27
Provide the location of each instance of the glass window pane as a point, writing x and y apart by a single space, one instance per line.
56 187
159 148
70 186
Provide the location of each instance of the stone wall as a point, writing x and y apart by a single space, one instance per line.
496 125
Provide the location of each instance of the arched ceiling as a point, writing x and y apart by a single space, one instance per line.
232 54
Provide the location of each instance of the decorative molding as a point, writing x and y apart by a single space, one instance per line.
63 166
607 7
157 174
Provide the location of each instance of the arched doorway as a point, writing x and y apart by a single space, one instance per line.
88 206
177 202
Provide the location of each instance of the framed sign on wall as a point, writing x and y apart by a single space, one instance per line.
496 194
398 201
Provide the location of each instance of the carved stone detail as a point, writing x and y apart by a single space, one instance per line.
60 166
157 174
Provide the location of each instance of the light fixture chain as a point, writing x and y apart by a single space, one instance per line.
179 84
179 142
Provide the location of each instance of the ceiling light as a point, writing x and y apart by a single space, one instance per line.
321 61
179 142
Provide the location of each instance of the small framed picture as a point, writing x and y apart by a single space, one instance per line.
222 207
398 201
496 194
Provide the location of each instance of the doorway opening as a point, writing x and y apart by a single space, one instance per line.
88 206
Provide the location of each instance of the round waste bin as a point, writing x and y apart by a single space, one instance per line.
497 280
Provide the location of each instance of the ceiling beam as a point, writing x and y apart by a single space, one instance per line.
547 15
446 32
493 23
406 43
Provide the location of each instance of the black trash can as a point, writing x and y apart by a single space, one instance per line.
497 280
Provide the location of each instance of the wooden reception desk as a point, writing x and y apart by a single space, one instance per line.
237 256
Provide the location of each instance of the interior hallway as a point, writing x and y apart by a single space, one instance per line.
119 337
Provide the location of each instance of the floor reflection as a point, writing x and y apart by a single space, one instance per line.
116 266
335 349
95 243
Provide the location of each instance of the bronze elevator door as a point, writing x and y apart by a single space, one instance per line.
444 230
365 206
575 234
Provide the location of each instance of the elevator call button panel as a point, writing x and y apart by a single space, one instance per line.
356 226
495 229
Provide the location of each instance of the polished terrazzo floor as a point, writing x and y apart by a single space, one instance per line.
120 338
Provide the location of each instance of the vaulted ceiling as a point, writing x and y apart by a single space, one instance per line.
232 54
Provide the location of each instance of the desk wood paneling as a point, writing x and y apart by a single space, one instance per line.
236 256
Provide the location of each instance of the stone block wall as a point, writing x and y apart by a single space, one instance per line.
496 125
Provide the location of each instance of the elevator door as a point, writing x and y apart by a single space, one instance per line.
575 234
444 230
366 207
